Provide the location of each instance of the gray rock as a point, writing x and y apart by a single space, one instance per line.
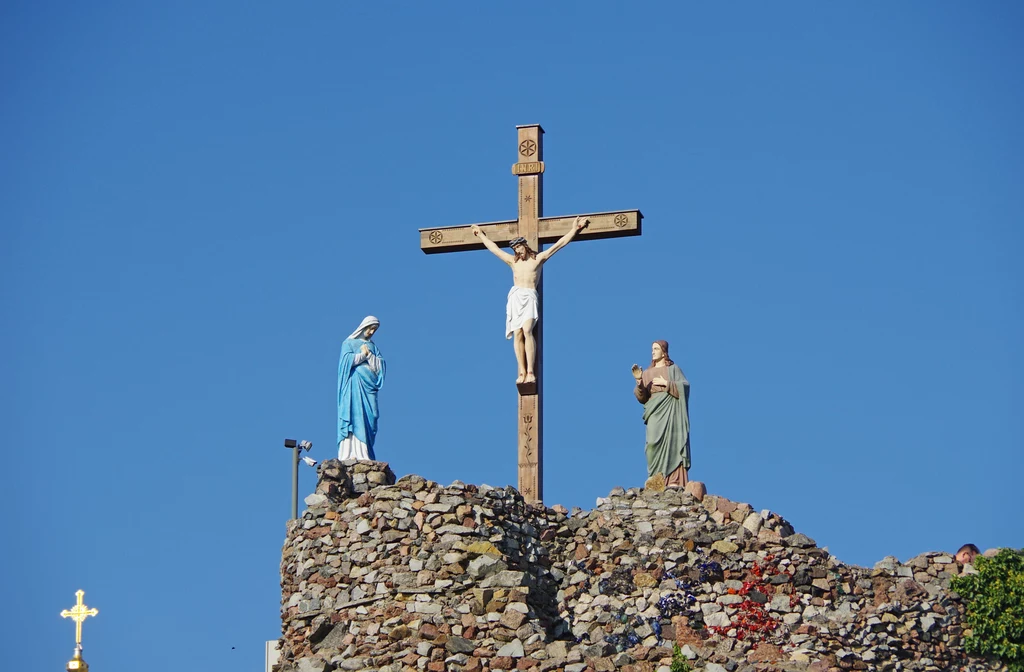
459 645
315 500
504 579
484 565
454 529
799 541
753 523
513 649
598 650
719 619
312 665
623 659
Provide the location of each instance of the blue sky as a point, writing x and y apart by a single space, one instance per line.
198 201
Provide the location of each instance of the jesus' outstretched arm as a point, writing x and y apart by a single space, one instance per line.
489 244
577 225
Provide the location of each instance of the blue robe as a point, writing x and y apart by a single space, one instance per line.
357 394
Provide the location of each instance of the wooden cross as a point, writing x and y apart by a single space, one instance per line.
536 229
78 614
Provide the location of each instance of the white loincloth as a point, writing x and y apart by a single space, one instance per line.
521 306
353 449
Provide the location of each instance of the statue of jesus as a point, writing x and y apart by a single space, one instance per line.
521 312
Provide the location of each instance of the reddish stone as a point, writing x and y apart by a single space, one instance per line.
684 633
725 506
503 663
469 632
525 663
473 665
428 631
436 666
364 499
696 489
512 619
909 591
581 552
765 653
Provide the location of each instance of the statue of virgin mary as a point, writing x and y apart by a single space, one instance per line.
360 377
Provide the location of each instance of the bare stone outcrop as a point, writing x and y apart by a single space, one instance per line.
413 576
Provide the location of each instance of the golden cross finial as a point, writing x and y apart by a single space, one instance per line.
79 613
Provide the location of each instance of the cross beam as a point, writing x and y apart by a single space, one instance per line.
602 225
529 168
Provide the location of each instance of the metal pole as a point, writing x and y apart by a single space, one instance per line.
295 482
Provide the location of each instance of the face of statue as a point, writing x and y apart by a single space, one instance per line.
520 251
657 354
370 331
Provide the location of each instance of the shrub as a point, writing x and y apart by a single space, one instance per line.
679 662
995 607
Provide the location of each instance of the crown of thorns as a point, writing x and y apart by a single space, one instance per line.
517 241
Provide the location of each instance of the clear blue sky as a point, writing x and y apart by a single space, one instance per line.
198 201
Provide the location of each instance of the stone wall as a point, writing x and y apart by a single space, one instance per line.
412 576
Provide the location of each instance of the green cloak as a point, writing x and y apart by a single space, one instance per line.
668 426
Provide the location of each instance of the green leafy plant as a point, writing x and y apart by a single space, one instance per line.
995 607
679 662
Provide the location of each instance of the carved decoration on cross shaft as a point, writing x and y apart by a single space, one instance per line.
435 237
527 148
621 220
531 457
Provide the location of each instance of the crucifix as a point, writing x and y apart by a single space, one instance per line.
536 229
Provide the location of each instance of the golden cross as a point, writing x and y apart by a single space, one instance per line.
79 613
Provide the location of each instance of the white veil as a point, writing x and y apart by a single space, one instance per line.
367 321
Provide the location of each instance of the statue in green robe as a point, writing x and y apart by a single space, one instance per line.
665 394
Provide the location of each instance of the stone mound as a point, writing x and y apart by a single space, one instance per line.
413 576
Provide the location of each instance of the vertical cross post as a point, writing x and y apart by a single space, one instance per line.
530 169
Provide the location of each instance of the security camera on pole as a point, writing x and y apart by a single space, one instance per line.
297 447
